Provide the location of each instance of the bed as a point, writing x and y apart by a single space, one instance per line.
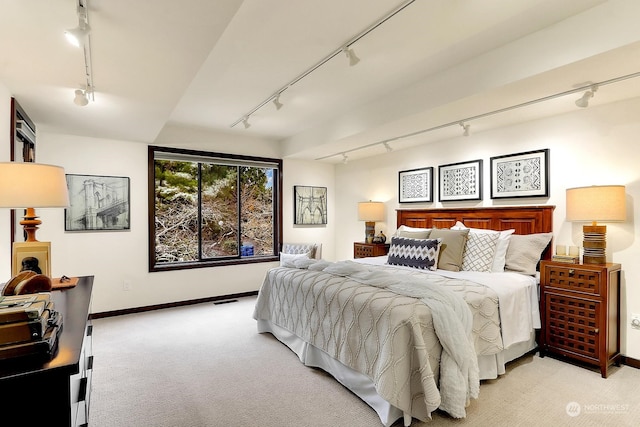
409 339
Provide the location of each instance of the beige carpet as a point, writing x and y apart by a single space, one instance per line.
205 365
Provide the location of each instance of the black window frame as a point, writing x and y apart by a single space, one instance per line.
236 260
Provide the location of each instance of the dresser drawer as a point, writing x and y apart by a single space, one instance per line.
573 324
363 251
575 279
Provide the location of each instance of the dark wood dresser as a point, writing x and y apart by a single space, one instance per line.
580 310
55 392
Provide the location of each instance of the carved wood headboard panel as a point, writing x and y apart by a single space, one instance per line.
524 219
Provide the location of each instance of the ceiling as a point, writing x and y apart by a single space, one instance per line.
202 64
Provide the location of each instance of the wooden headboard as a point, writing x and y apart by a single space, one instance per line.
524 219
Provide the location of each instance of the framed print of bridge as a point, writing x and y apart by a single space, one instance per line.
309 205
97 203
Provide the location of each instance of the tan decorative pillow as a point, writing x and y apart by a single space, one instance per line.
452 247
524 252
412 232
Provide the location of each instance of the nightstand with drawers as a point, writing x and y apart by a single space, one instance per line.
580 310
364 250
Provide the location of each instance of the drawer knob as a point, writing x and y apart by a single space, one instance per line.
571 272
596 330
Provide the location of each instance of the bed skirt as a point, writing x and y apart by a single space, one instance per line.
490 367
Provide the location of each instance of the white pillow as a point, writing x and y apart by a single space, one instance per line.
479 251
287 260
500 255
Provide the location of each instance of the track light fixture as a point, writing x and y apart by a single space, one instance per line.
77 36
345 47
583 101
82 97
387 147
345 159
465 128
246 123
276 102
80 37
353 59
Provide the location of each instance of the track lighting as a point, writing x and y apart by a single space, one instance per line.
345 159
246 123
80 37
276 102
583 102
82 97
353 59
387 147
76 36
465 128
344 47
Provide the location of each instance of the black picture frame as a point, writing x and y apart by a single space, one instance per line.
523 174
415 185
97 203
309 205
460 181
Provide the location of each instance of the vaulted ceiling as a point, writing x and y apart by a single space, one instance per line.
206 65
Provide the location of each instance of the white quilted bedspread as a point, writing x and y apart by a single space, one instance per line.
387 336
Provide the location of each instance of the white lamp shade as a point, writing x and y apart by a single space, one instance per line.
32 185
371 211
597 203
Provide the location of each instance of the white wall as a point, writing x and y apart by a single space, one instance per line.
588 147
314 174
116 257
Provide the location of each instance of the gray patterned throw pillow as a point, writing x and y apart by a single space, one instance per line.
416 253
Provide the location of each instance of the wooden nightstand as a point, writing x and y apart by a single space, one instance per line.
580 310
363 250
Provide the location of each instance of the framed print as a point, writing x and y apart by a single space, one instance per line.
34 256
520 175
309 205
97 203
415 185
460 181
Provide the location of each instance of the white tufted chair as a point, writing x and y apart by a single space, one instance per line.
313 249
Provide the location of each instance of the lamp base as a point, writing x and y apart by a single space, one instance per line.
369 231
30 223
595 244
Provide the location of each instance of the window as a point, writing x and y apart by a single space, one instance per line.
209 209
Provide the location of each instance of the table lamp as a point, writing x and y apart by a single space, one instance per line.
370 212
596 203
29 186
